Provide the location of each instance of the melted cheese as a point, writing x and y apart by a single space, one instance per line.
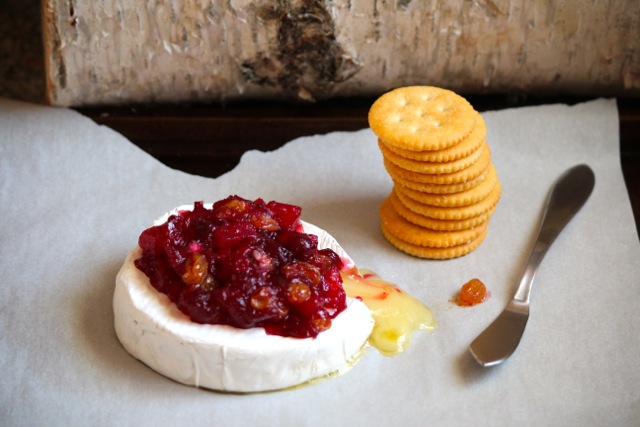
397 315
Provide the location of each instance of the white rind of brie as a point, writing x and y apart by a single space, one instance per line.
220 357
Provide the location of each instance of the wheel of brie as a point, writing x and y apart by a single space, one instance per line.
153 329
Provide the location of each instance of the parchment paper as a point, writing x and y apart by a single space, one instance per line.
75 196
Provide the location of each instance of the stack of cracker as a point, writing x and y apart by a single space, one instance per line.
445 186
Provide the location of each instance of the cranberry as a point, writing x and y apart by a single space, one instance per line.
286 215
246 264
198 302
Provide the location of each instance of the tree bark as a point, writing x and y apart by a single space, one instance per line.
154 51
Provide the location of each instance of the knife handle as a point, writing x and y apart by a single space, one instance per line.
566 198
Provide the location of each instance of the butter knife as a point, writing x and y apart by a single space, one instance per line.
501 338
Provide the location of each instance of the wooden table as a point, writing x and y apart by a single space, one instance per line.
209 140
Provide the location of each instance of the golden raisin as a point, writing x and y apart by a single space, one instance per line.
473 292
265 262
321 324
303 271
196 267
265 222
236 205
262 299
298 292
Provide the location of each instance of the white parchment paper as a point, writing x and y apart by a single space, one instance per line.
75 196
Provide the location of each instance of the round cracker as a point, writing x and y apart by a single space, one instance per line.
435 253
451 213
421 118
432 167
408 232
456 177
463 198
441 188
438 224
468 145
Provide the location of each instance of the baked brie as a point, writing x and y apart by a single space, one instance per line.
225 358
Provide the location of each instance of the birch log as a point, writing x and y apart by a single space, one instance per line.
159 51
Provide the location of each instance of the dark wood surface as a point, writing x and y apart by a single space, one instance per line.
209 140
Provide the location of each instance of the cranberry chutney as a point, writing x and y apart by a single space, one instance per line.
245 264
